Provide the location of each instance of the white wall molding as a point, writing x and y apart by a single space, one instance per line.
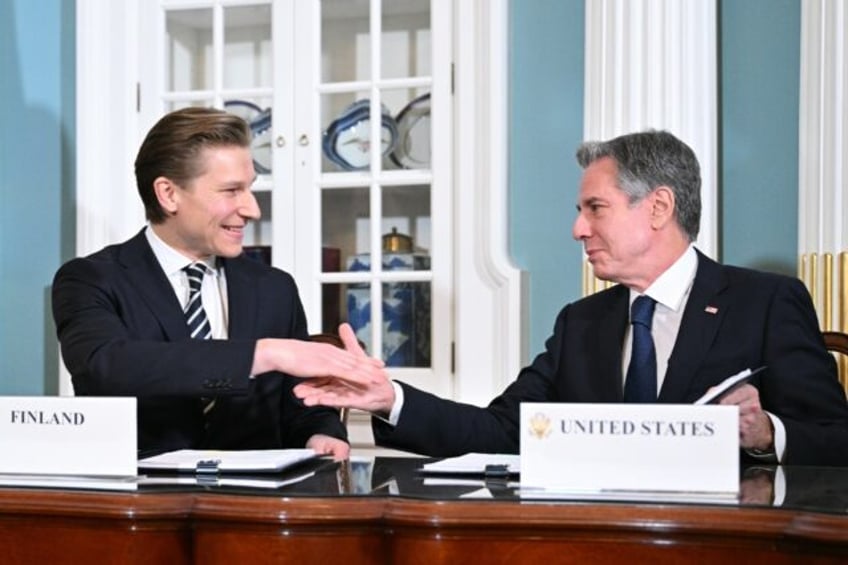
653 64
108 209
490 318
823 133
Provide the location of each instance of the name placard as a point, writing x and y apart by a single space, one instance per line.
68 435
630 447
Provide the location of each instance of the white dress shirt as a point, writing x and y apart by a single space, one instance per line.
213 290
671 292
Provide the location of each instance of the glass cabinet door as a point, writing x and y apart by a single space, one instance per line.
358 209
377 192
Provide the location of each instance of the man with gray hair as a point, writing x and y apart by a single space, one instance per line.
694 323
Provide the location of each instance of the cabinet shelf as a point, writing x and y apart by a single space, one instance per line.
366 85
349 277
385 178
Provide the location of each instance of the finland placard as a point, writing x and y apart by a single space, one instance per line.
94 436
630 447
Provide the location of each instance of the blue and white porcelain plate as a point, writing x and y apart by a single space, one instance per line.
347 140
259 121
413 123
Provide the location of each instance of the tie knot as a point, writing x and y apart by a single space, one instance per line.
195 273
642 311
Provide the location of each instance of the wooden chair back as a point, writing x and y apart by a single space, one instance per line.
837 343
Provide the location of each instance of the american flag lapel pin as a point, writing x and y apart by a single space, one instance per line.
711 310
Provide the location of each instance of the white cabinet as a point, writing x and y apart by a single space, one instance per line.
308 76
407 243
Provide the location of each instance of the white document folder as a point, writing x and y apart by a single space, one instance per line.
226 461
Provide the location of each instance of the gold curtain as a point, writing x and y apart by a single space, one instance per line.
829 288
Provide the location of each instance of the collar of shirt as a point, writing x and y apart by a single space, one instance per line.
672 287
671 291
214 289
171 260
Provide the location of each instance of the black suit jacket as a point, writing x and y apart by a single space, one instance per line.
754 319
123 333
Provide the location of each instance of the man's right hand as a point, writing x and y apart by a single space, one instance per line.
371 391
313 359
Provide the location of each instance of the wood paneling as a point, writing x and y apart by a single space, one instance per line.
42 526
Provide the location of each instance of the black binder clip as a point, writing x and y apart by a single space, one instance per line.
496 478
210 466
496 471
207 480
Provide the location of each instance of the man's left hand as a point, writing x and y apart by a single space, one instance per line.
755 428
327 445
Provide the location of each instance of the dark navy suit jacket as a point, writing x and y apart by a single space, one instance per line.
753 319
123 333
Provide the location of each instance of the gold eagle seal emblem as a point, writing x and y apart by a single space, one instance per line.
540 426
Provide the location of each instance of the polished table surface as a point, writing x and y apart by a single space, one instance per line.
385 511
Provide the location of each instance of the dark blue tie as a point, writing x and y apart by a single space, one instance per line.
641 383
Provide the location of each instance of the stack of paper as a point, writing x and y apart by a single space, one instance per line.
476 464
215 461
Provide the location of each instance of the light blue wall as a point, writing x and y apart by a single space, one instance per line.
760 63
545 127
36 183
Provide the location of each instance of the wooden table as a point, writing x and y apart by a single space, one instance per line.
295 524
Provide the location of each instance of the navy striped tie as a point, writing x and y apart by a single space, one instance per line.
198 323
641 383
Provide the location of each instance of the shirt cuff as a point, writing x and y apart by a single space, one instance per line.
779 436
394 413
779 487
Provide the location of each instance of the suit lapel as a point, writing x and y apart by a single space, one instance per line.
604 335
702 318
241 299
146 275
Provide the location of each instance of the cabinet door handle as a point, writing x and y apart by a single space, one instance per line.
281 141
304 140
